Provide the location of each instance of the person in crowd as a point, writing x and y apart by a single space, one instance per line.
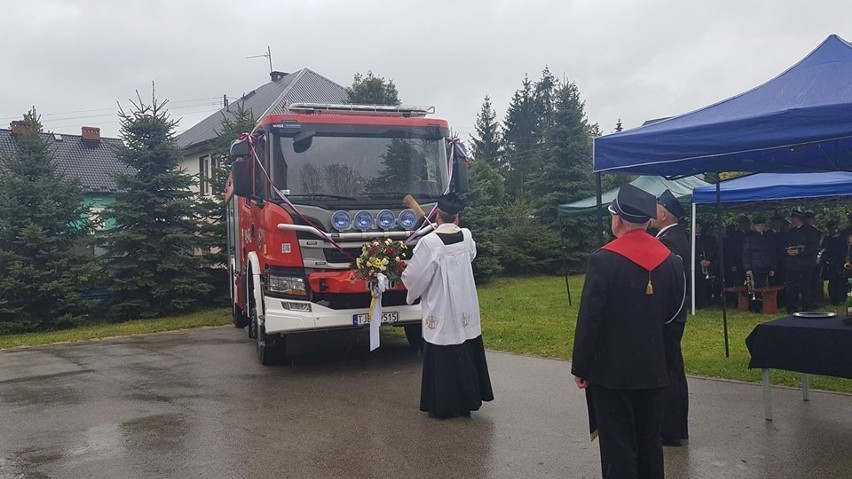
778 228
455 373
816 276
633 293
800 247
832 257
758 257
734 273
676 397
706 264
848 229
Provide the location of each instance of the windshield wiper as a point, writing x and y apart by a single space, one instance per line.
323 195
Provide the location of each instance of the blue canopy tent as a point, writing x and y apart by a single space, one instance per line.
776 186
800 121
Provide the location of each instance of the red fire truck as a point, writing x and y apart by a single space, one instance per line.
308 188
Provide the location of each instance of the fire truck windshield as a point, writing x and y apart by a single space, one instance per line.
360 166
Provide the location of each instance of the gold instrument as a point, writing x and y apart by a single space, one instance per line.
704 269
749 284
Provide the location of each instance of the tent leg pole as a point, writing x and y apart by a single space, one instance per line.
721 265
692 253
600 208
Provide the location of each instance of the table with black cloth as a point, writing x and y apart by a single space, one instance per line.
806 345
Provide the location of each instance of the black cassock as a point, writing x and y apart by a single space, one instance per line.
624 347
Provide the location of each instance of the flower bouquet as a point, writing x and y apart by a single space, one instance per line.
381 256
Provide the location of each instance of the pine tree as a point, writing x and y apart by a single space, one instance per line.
212 208
520 138
566 169
42 219
486 145
372 90
618 127
483 216
151 263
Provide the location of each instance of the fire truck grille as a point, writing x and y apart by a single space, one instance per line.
333 255
351 301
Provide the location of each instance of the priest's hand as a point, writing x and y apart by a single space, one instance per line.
581 383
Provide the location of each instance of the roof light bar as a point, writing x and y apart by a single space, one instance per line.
393 110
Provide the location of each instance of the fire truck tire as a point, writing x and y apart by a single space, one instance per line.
241 319
414 335
270 349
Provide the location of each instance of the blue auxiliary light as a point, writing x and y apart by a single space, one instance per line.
407 219
363 220
341 221
385 219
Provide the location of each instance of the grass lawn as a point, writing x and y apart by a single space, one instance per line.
213 317
522 315
532 316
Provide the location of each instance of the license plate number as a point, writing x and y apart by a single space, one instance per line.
387 317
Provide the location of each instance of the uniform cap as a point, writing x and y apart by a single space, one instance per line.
668 200
634 205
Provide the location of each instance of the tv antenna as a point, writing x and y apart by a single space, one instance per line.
267 55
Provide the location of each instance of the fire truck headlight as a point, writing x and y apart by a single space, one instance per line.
363 220
289 285
341 221
407 218
385 219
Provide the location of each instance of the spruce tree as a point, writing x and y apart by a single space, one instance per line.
42 220
566 169
483 215
151 262
521 138
486 145
212 208
370 89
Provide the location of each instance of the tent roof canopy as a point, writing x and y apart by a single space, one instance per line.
681 188
800 121
777 186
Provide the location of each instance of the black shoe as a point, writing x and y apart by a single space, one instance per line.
672 442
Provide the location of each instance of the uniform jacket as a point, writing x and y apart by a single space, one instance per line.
758 252
808 237
622 340
677 241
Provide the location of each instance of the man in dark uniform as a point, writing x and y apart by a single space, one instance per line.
801 244
758 258
831 257
623 344
706 265
676 397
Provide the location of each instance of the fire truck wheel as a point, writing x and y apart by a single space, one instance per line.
270 348
241 319
414 335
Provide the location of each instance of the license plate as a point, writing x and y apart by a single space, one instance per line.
387 317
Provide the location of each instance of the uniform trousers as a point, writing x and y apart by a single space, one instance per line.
628 422
676 394
800 283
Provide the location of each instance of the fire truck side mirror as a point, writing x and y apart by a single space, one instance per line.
241 167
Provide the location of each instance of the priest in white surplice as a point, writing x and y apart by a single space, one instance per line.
455 373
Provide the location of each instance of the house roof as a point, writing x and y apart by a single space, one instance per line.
93 162
304 85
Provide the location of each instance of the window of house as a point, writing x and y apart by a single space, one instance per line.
206 169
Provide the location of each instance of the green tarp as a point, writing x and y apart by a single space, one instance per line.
681 188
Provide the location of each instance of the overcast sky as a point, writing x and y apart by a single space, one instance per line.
74 60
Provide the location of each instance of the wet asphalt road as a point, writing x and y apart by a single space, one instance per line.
197 404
